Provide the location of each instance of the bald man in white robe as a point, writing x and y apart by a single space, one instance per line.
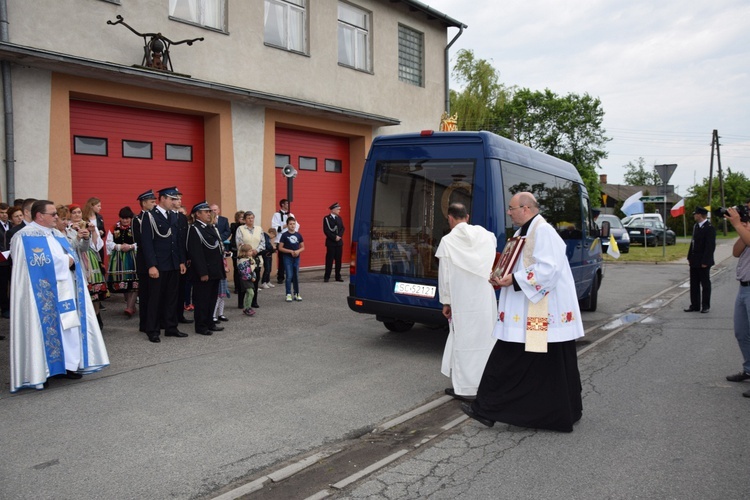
466 256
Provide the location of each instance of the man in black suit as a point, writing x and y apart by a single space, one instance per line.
26 206
206 254
701 258
164 256
4 262
333 227
147 201
222 224
183 296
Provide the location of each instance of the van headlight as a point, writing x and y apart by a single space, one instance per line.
625 236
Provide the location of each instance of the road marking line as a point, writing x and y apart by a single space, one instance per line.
417 411
369 470
319 495
292 469
454 423
245 489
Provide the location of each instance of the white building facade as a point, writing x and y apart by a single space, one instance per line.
95 108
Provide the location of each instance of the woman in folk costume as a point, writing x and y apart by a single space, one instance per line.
531 378
88 245
466 255
122 275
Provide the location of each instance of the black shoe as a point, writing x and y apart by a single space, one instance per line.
325 280
72 375
450 392
467 409
339 279
154 338
738 377
216 328
746 394
255 306
690 309
185 320
222 318
2 337
705 310
207 332
176 333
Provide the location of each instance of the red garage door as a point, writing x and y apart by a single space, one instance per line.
322 163
120 152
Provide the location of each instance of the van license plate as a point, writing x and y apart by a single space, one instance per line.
414 289
635 232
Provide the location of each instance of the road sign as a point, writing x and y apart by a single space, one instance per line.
653 199
665 171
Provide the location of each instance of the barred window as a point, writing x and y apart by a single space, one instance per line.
410 48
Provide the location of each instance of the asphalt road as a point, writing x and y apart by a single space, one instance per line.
660 422
191 417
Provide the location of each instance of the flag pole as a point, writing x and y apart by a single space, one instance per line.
684 226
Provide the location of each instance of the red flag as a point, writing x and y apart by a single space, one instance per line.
678 209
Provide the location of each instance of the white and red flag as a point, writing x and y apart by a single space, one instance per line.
678 209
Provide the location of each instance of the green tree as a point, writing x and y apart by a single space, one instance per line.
736 191
637 175
567 127
482 94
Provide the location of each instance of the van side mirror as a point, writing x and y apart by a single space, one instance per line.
604 231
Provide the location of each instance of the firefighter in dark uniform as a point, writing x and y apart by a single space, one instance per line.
147 201
333 227
164 256
206 255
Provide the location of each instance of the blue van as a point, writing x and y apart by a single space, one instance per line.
407 184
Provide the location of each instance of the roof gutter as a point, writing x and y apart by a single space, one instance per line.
448 71
174 82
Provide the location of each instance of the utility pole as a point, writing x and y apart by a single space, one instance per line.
715 143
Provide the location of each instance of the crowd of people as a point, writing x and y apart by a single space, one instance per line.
163 261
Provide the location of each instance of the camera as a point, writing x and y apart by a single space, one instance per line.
741 209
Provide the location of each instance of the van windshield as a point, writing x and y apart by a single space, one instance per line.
410 212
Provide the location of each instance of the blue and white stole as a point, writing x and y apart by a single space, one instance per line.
56 304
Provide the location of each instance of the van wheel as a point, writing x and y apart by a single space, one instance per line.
592 301
398 325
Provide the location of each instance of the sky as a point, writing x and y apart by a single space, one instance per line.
667 72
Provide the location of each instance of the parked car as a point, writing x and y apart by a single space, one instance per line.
617 230
651 231
635 218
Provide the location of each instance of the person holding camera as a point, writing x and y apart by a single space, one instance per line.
700 259
741 250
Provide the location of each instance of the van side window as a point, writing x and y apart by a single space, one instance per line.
410 212
559 199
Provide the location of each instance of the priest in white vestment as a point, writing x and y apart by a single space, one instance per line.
532 378
53 326
466 255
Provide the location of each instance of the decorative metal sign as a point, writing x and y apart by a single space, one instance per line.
156 47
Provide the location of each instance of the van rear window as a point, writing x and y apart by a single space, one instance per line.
410 212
